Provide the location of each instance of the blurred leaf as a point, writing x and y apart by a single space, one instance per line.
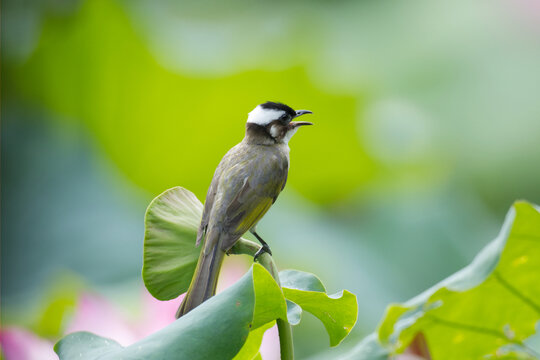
164 128
513 352
224 321
490 304
392 314
367 349
59 303
337 312
52 318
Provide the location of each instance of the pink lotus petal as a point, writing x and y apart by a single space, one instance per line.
409 357
270 345
155 314
20 344
527 12
97 315
233 269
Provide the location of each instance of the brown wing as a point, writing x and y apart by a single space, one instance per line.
211 194
208 203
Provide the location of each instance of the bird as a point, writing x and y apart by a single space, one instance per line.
246 183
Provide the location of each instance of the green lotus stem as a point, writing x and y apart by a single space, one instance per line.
247 247
285 339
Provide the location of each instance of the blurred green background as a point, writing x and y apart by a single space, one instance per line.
427 128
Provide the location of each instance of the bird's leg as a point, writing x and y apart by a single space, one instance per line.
264 249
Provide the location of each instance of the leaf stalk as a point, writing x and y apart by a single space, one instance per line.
247 247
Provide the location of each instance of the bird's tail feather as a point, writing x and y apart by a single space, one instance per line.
203 284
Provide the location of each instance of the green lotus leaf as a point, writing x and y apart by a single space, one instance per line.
337 312
224 321
170 255
489 308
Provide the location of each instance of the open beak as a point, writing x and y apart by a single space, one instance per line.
301 123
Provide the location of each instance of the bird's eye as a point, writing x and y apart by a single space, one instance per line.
283 117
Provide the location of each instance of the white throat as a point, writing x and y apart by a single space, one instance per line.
289 135
262 116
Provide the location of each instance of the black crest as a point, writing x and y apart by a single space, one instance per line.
279 106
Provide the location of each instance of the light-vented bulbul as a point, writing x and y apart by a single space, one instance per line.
246 183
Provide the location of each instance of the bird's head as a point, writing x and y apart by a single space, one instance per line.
272 122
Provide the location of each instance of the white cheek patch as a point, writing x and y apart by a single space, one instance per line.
274 131
263 117
289 135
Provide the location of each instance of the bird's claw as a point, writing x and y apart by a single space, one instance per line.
264 249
